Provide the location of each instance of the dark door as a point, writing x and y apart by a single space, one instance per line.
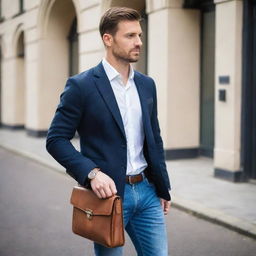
249 90
207 82
73 49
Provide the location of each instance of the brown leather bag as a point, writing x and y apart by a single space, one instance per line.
100 220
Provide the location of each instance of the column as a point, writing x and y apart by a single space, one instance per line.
174 63
91 49
35 118
12 103
228 82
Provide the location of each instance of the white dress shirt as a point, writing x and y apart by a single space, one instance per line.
129 105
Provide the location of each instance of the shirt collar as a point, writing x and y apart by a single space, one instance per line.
112 73
131 74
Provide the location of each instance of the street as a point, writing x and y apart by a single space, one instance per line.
35 218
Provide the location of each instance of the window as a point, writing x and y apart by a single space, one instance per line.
1 18
73 49
21 7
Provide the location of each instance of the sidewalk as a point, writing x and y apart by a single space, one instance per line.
194 188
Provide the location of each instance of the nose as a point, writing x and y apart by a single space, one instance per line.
138 41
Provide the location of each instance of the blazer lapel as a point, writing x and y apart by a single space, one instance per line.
144 105
140 88
107 94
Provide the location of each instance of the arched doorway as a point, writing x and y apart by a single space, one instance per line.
58 55
73 48
20 89
140 6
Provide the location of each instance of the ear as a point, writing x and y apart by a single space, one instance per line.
107 40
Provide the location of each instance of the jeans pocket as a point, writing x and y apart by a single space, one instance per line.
150 184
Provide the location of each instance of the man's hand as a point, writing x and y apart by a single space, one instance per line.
103 186
166 205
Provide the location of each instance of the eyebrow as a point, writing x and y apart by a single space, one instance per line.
133 33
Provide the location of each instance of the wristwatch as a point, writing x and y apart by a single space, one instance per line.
92 174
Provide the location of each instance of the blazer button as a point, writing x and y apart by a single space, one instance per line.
123 146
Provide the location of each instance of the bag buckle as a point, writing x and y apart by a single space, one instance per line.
89 213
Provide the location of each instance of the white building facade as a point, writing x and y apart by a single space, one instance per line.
200 53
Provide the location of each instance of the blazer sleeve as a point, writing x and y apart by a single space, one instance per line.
62 129
158 139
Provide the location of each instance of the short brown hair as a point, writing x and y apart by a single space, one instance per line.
110 19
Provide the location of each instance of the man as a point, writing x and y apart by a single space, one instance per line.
114 110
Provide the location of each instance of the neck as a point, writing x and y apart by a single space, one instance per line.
121 66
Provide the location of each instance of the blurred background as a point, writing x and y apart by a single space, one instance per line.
200 53
202 56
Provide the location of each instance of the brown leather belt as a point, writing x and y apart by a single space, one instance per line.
133 179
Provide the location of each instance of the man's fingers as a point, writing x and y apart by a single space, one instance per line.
162 203
103 185
112 187
165 205
108 191
97 193
102 193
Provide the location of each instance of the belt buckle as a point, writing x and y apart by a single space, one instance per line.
130 179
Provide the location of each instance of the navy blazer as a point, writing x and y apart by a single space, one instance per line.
88 106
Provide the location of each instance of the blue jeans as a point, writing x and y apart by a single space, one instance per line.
144 222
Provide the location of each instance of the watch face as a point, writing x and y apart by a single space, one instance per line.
92 175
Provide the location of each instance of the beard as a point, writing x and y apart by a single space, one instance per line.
129 57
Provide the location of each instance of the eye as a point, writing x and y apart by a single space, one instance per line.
130 35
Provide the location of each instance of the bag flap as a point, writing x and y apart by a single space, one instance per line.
86 200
